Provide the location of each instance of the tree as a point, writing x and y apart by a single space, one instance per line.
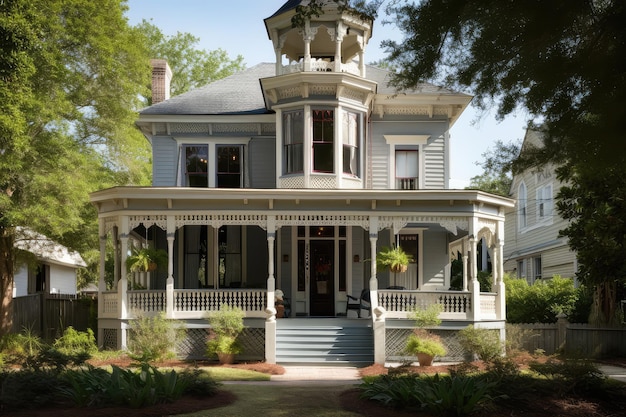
72 72
563 62
191 67
498 169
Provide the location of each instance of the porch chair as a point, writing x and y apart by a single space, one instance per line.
360 303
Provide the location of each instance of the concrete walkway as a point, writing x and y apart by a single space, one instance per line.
614 372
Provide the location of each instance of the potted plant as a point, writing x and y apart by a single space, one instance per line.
422 343
394 259
146 259
226 325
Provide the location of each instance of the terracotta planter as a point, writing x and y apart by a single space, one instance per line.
424 359
226 358
399 268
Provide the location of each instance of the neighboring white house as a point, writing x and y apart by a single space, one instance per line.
54 269
293 175
533 249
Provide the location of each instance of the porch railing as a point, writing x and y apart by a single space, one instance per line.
456 305
188 304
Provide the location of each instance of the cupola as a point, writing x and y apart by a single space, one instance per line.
334 41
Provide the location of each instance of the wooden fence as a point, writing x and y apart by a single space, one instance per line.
48 315
573 339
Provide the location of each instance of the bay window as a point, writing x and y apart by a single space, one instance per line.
350 139
323 138
293 140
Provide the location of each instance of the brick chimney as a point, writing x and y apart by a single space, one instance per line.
161 77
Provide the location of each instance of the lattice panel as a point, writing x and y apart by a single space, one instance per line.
292 182
395 342
250 128
268 127
323 183
190 128
109 339
194 344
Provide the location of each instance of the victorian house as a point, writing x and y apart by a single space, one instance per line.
292 176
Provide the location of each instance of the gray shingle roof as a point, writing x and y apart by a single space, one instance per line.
241 94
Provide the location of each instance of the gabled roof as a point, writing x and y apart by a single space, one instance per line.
241 94
46 249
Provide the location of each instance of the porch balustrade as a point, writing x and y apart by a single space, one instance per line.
320 65
188 304
456 305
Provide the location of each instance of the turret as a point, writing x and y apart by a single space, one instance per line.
334 41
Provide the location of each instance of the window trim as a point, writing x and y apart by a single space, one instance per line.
544 216
522 209
394 141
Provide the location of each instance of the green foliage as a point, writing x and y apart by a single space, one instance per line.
226 325
154 338
426 317
135 388
191 67
424 342
17 347
441 395
540 302
592 202
74 342
27 389
483 343
146 259
394 259
571 376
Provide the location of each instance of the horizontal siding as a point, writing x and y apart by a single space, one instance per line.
164 161
380 163
559 261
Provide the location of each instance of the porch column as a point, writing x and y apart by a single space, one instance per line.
499 288
122 286
340 31
474 286
270 322
307 35
378 313
169 283
465 267
101 282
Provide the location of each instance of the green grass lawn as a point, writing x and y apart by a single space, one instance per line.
282 401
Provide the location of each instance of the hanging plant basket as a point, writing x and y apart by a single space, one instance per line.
393 259
399 268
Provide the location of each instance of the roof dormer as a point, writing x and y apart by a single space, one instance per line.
334 41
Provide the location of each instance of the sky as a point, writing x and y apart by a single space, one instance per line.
237 27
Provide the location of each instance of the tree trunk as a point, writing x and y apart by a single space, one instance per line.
604 307
7 256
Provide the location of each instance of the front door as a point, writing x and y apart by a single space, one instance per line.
322 282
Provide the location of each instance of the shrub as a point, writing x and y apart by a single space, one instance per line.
226 325
18 347
153 339
426 317
441 395
27 389
76 343
575 376
135 388
483 343
540 302
424 342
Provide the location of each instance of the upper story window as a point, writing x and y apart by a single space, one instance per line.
322 141
351 128
293 140
407 168
544 203
522 201
196 164
323 138
211 165
229 166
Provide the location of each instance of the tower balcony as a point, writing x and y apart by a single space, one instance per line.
322 65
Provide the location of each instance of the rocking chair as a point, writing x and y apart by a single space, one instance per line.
358 304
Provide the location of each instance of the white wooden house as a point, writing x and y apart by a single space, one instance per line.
292 175
533 249
52 267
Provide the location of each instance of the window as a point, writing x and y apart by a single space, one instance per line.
195 163
350 137
522 206
544 203
229 164
536 268
323 136
521 269
293 138
406 168
230 261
